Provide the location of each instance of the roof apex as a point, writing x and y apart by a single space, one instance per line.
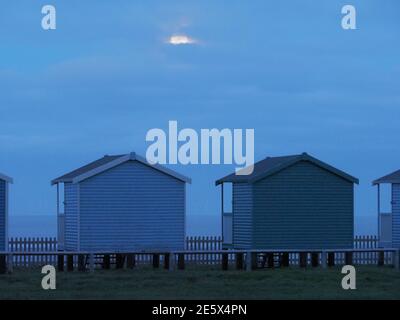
108 162
6 178
393 177
272 165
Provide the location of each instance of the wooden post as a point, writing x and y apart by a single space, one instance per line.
10 263
81 263
131 261
171 259
3 264
248 261
270 260
181 261
253 261
396 257
331 259
285 259
70 262
106 261
349 258
60 262
224 261
166 261
119 261
303 259
156 260
91 262
314 259
323 259
381 258
239 261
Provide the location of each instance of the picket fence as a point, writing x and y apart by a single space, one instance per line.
192 244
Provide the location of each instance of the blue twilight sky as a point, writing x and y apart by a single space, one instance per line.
106 76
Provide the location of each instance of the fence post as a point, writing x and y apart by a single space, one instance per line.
323 259
10 263
91 262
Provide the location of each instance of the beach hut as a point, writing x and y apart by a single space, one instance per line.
4 186
290 202
389 222
122 203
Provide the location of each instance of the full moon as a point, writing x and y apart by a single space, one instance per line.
180 39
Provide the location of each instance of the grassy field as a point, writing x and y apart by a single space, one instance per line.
204 283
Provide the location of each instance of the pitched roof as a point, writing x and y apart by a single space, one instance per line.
271 165
393 177
6 178
108 162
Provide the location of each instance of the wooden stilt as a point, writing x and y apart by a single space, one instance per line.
156 261
106 262
303 259
381 259
224 261
323 259
119 261
166 261
91 262
181 261
239 261
3 264
253 261
131 261
70 263
331 259
349 258
81 263
60 262
270 260
314 259
285 259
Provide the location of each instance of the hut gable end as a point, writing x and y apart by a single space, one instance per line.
132 205
303 206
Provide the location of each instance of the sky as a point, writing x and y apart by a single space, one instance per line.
107 75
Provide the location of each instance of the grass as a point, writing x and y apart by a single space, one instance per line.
198 282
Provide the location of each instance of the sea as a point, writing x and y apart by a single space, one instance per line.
196 225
